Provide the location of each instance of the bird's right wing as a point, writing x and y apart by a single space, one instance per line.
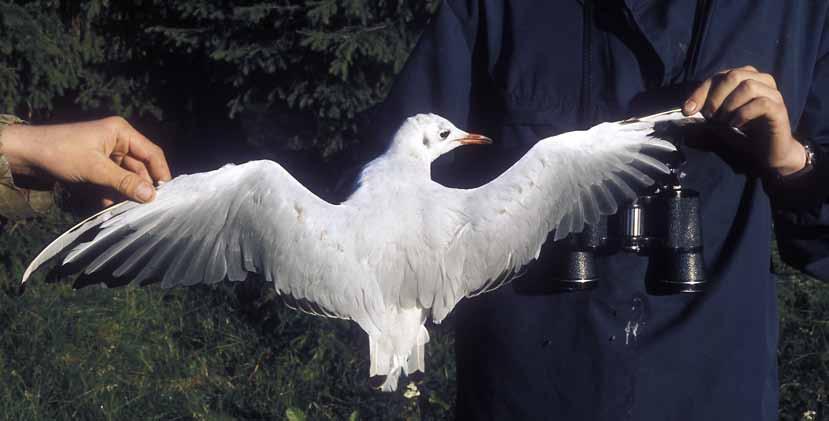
561 184
224 224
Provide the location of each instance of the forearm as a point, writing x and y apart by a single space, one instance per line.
19 145
15 202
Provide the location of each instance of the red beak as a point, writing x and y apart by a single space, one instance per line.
475 139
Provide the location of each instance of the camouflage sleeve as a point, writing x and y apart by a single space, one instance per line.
15 202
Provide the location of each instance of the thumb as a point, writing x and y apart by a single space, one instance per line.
128 184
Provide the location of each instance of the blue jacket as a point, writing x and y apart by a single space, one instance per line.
522 70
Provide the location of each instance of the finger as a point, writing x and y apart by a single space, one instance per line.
766 78
105 203
748 90
697 98
117 157
754 109
127 183
721 86
144 150
752 71
709 95
137 167
725 83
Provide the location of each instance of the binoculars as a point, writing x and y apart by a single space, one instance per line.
664 225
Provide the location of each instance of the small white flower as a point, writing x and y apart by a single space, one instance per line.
411 391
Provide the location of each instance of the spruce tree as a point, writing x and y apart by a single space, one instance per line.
317 62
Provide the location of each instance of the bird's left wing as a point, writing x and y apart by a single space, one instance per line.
224 224
561 184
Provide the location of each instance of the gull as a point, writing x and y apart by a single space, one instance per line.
399 250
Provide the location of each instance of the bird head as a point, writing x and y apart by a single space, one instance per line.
429 136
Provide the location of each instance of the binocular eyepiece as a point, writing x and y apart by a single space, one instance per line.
665 226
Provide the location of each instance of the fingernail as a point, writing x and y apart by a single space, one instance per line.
690 106
144 192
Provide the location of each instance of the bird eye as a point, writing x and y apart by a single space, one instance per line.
444 134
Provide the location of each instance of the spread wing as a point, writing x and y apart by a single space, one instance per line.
223 224
561 184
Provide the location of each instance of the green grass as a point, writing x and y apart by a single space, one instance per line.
803 352
236 352
201 353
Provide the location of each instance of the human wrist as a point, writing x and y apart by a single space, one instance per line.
793 161
18 144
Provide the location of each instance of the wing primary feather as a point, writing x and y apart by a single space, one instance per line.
68 238
638 175
119 248
103 239
139 256
604 199
622 186
590 206
180 269
157 258
563 227
653 163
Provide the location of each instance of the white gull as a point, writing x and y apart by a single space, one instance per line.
400 249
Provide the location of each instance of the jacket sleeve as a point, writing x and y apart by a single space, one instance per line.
803 234
436 78
16 202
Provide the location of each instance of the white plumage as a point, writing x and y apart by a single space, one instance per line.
401 248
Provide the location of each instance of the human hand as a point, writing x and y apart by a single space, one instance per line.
749 100
109 153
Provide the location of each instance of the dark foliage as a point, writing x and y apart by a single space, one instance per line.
319 63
